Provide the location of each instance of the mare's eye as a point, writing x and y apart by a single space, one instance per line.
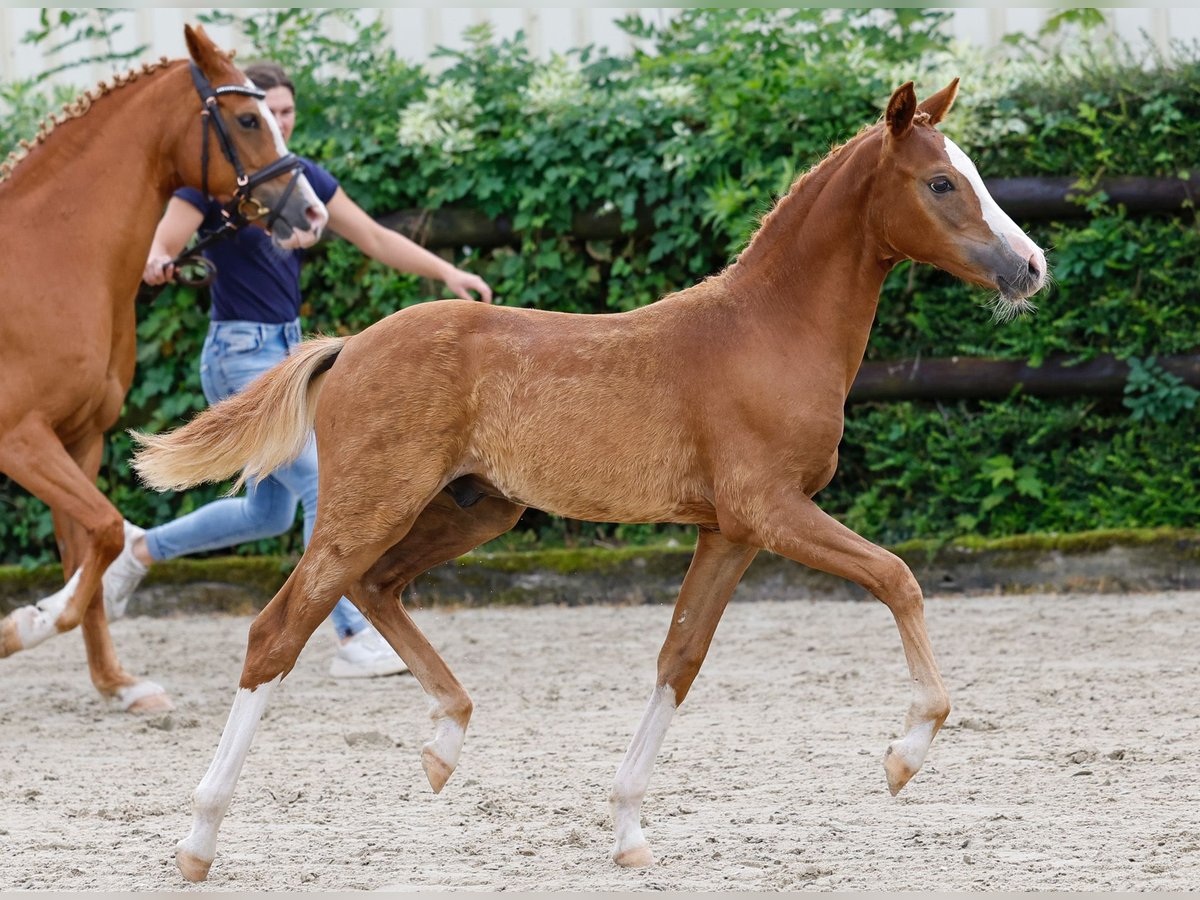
941 186
248 121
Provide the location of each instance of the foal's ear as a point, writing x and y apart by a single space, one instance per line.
203 51
901 109
939 104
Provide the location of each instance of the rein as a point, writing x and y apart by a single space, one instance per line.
243 208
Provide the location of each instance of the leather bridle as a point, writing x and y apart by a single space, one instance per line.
243 208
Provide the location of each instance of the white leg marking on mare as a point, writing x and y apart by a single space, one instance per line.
35 624
194 854
633 777
131 694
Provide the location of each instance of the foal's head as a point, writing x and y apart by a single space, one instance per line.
933 206
297 215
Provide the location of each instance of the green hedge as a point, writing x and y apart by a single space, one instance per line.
700 134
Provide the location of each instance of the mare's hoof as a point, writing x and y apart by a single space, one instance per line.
634 857
10 638
190 866
143 697
151 703
436 770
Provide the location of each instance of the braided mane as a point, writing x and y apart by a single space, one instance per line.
74 110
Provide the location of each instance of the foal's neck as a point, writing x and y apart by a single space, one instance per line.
813 271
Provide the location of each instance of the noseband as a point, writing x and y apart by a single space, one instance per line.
243 208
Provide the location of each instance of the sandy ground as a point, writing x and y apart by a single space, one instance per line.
1071 759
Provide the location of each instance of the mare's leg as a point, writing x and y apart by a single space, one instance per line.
800 530
716 568
109 677
34 457
441 533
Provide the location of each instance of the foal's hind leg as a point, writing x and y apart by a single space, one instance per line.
716 568
328 568
442 532
800 530
276 638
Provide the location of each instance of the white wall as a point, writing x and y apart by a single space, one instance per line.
417 31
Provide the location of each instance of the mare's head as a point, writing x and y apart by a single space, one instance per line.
285 202
933 207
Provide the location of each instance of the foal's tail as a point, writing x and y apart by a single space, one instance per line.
255 431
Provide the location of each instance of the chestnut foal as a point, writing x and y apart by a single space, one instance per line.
78 209
720 406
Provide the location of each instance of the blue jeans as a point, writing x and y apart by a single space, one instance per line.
234 354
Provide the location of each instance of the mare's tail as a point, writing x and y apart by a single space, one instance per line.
255 431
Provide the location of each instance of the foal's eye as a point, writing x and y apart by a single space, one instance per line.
248 121
941 186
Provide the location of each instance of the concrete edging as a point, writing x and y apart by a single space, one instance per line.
1098 562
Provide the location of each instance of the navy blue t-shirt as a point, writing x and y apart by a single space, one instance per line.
256 281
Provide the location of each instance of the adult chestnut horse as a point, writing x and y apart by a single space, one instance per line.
78 208
719 406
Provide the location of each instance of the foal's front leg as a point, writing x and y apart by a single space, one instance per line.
800 530
716 568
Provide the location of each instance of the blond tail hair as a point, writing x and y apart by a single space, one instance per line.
254 432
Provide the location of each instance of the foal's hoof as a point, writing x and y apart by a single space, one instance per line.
190 866
436 770
638 857
899 772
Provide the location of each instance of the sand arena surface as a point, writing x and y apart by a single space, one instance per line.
1071 759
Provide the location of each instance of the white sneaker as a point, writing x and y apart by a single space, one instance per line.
123 575
366 655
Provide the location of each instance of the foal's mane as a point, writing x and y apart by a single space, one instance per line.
74 110
818 174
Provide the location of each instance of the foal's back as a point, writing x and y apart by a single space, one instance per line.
595 417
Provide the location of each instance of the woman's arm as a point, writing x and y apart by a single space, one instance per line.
349 220
174 230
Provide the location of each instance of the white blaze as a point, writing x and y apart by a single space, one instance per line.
996 218
303 188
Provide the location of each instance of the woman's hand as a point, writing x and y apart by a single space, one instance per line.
158 269
462 283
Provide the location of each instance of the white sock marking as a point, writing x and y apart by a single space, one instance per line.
212 796
37 623
633 776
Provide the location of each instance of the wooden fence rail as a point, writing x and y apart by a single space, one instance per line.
957 378
1022 198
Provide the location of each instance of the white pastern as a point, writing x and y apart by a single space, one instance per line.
35 624
127 696
212 796
996 218
911 748
447 741
633 777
